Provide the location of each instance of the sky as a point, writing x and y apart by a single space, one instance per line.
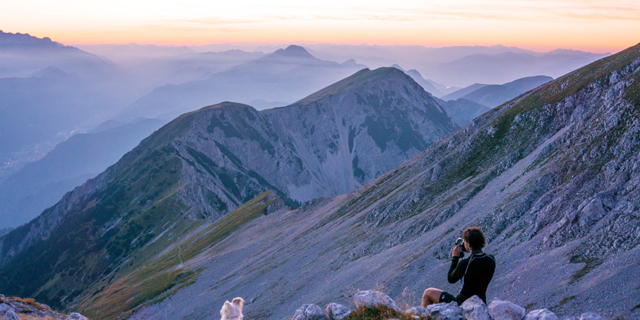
591 25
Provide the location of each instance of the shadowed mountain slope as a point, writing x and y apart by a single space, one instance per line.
125 227
40 184
552 179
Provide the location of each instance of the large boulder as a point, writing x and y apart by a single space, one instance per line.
445 311
309 312
419 311
541 314
590 316
371 299
336 311
475 309
505 310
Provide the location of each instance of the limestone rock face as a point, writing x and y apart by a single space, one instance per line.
540 314
336 311
445 311
309 312
505 310
371 298
475 309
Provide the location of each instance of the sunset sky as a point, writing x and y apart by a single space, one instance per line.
593 25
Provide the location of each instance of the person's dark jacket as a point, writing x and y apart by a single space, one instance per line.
478 275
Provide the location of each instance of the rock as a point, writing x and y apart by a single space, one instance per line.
445 311
4 307
76 316
505 310
336 311
541 314
419 311
371 298
475 309
9 314
309 312
590 316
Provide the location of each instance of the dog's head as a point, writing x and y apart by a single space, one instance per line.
232 310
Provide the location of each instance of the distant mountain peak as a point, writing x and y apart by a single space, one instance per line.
50 72
293 51
358 79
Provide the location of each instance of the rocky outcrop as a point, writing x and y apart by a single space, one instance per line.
309 312
445 311
505 310
371 299
336 311
475 309
540 314
16 308
471 309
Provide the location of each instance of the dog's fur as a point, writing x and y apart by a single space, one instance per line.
232 310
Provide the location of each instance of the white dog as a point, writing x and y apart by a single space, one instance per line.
232 310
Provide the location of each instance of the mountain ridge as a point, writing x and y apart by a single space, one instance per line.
205 164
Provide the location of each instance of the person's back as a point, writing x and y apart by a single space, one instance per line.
476 271
478 275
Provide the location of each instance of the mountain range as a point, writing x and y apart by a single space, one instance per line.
493 95
285 75
207 163
508 66
364 183
550 177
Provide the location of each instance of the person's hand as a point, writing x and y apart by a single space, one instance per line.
455 252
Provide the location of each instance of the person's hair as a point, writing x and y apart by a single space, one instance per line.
474 237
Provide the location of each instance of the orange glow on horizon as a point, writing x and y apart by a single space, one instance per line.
589 25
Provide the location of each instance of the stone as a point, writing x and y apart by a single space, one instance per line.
309 312
9 314
419 311
590 316
371 298
475 309
445 311
505 310
4 307
336 311
76 316
541 314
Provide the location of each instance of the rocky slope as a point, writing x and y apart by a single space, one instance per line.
184 178
552 178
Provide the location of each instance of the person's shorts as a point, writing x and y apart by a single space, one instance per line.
447 297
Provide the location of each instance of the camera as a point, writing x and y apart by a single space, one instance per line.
460 242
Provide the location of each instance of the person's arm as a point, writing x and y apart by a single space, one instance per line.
457 268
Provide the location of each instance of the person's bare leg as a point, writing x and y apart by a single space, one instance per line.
431 295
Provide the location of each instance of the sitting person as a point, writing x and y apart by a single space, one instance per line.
475 271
